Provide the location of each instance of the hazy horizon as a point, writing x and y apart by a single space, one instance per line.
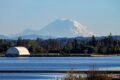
99 16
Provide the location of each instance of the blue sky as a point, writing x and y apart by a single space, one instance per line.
100 16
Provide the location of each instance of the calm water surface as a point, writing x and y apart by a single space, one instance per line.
53 63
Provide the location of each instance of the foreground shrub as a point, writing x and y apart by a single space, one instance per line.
94 75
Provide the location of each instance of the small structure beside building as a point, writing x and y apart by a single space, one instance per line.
17 51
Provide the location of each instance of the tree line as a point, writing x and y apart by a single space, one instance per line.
65 46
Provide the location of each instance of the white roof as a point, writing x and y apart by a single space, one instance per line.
18 50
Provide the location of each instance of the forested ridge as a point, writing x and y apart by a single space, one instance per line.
66 46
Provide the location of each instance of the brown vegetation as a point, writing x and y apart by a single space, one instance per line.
92 75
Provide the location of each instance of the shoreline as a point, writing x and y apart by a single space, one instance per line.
60 71
59 55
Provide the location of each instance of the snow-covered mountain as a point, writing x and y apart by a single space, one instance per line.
61 28
65 28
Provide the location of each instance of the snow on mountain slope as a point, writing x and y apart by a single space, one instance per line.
80 29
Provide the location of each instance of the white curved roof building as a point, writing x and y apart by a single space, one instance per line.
17 51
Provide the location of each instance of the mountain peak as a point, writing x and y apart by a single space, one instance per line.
62 19
65 20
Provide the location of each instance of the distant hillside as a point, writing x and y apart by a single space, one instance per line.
3 37
34 37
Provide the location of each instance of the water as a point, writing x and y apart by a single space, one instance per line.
53 63
30 76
